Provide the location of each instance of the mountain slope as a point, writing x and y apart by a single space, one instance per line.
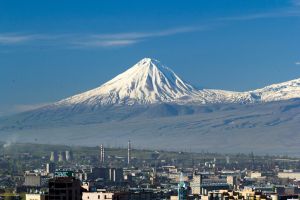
261 128
150 82
153 106
278 92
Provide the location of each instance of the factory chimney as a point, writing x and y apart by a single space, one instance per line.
102 154
129 153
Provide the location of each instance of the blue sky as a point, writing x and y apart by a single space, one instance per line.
50 50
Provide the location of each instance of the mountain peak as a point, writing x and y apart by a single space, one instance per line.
147 60
151 63
148 81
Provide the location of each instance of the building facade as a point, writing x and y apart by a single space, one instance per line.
65 188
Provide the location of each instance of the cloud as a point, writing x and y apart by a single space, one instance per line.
140 35
122 39
296 2
297 63
29 39
13 109
27 107
90 40
283 13
290 11
6 39
105 43
129 38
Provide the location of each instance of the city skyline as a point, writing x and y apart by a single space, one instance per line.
150 100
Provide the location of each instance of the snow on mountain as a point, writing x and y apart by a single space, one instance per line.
175 113
146 82
277 92
222 96
149 82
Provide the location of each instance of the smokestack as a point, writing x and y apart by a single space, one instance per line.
69 155
129 153
53 156
61 157
102 154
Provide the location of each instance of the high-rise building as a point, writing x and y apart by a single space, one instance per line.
64 187
182 189
50 167
33 180
196 183
100 172
232 181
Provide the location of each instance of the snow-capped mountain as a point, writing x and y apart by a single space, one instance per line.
149 82
153 105
278 92
146 82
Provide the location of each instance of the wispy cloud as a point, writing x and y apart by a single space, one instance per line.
291 12
297 63
104 43
140 35
25 39
6 39
13 109
91 40
129 38
27 107
296 2
121 39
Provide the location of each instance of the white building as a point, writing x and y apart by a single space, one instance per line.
255 175
290 175
35 196
97 196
